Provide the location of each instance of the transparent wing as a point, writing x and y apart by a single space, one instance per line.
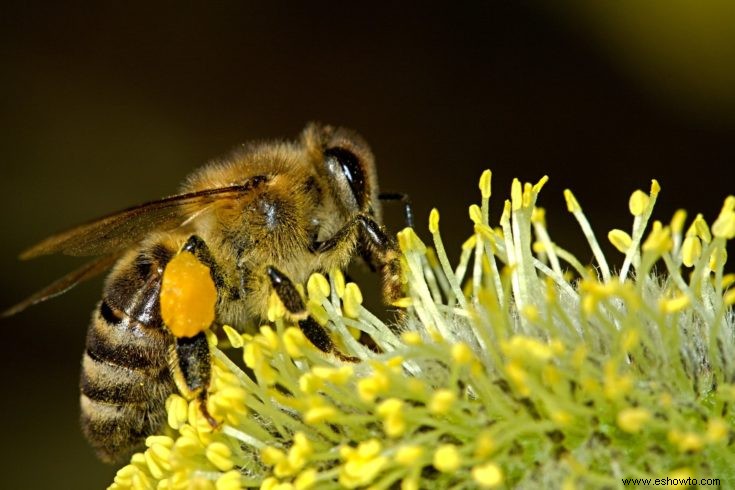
119 230
64 284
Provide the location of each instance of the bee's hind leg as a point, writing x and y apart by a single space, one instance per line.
192 370
291 299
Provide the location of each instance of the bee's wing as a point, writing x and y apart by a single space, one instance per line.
62 285
119 230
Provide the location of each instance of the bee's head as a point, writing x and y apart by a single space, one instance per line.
345 162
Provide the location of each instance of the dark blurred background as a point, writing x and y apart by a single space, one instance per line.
104 107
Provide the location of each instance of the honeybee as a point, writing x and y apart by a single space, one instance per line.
266 215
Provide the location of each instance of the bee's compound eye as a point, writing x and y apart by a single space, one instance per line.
343 161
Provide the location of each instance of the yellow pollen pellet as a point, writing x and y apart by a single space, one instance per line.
487 475
674 305
188 296
271 455
447 458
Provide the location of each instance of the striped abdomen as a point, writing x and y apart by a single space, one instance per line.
125 370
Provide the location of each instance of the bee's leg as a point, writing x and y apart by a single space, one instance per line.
376 247
198 247
291 299
190 358
191 365
403 198
381 251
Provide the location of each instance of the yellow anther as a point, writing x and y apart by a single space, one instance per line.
317 311
233 336
485 180
293 340
411 338
632 419
305 480
620 240
527 194
686 441
318 414
408 455
702 229
442 401
540 184
538 216
678 220
717 430
531 313
691 250
638 202
434 221
488 475
352 300
188 296
729 297
339 282
659 240
724 225
447 458
655 187
674 305
276 309
572 203
475 214
410 242
462 354
229 481
516 195
310 383
220 456
177 409
404 302
268 338
318 287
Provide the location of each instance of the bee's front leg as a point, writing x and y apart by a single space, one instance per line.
376 247
291 299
